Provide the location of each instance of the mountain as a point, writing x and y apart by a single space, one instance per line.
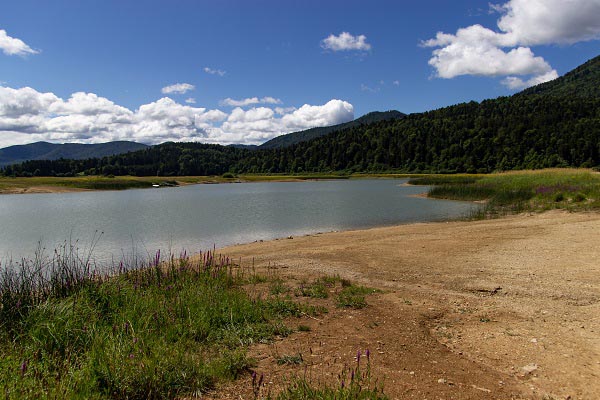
555 124
306 135
583 81
76 151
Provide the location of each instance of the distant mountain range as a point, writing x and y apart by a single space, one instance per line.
74 151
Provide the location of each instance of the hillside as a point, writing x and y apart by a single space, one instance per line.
76 151
309 134
556 124
583 81
550 125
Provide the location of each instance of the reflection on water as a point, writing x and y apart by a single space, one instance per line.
200 216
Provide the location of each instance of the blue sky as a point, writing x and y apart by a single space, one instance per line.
121 55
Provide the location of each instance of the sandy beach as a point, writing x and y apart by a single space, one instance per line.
496 309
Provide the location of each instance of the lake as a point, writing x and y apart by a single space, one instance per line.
198 217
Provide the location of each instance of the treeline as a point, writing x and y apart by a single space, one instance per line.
167 159
502 134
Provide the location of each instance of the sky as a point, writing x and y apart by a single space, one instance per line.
242 71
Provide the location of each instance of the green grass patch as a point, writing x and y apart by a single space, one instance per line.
316 289
513 192
162 329
353 296
289 359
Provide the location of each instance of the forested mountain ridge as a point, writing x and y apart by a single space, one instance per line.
553 124
309 134
583 81
556 124
53 151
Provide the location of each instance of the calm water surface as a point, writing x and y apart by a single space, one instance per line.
199 216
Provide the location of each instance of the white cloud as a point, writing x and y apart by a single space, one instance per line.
190 100
249 101
212 71
366 88
477 50
179 88
284 110
537 22
13 46
344 42
331 113
513 82
27 115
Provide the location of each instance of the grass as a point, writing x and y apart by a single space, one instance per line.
353 296
355 383
19 184
514 192
162 328
10 184
316 289
290 359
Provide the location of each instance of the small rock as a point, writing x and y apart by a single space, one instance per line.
442 380
529 368
534 340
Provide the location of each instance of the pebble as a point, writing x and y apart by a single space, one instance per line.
442 380
529 368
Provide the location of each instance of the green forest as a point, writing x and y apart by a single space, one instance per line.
555 124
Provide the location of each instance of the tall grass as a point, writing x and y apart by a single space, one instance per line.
513 192
158 328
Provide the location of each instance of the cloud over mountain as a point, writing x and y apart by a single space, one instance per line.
27 115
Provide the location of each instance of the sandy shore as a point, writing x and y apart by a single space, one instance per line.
506 308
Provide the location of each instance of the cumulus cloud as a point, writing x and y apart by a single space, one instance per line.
190 100
212 71
179 88
477 50
13 46
345 42
249 101
27 115
536 22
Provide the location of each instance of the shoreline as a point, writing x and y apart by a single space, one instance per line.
514 298
67 185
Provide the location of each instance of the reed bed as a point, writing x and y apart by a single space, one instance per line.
521 191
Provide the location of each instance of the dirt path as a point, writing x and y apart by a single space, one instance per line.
497 309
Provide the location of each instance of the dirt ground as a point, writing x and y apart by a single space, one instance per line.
497 309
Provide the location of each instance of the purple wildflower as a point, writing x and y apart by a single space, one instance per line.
157 258
23 368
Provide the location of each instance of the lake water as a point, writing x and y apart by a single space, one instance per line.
199 217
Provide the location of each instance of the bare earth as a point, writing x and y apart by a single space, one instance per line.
496 309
